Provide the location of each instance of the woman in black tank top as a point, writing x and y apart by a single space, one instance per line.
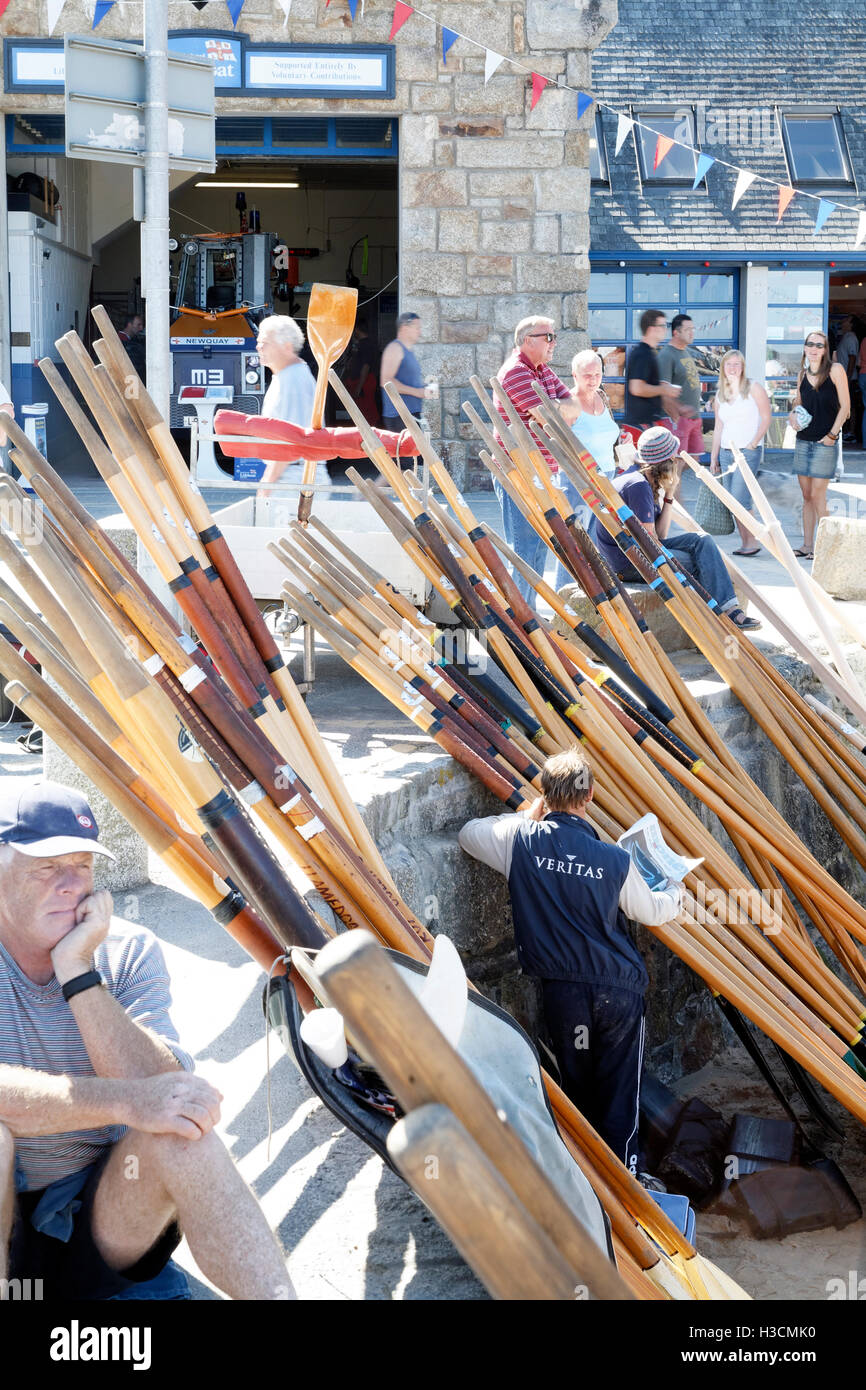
822 392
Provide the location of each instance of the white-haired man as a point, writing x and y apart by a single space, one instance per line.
291 391
107 1146
524 368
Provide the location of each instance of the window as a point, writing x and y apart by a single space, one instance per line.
597 154
617 298
817 150
795 304
679 164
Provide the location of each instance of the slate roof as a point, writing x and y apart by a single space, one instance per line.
735 58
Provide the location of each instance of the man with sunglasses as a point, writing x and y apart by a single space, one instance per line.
524 368
648 399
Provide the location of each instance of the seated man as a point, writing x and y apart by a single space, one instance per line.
648 487
107 1143
570 896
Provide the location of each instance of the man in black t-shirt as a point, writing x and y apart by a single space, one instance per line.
647 397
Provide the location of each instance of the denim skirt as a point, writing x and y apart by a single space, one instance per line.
812 459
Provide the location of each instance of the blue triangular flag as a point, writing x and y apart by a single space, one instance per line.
449 36
100 10
234 8
583 103
705 162
824 210
353 5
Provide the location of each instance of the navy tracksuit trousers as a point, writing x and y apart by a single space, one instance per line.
597 1034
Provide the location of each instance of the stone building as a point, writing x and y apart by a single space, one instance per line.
474 206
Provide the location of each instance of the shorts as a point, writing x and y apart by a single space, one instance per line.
689 431
815 460
69 1263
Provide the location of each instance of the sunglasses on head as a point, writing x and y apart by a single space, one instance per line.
551 337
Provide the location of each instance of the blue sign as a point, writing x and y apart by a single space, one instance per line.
223 51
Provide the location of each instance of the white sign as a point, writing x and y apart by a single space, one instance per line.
39 65
315 70
209 342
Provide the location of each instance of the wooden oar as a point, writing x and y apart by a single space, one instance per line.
330 320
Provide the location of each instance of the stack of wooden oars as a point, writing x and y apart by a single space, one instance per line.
742 934
138 681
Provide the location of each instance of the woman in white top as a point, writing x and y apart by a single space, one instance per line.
742 410
597 432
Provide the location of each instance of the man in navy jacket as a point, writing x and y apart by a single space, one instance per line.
570 896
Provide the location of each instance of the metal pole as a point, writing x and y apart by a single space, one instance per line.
154 232
5 313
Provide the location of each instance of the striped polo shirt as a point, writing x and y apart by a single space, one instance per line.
38 1030
519 378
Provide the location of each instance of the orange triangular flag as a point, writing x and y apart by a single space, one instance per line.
663 145
785 196
538 85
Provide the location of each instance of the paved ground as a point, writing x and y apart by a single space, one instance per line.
353 1230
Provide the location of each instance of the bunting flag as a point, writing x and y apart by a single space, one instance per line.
538 85
54 8
3 4
705 163
286 7
785 196
745 178
200 4
100 10
353 5
663 145
491 62
623 126
401 14
861 230
234 9
824 210
449 37
584 102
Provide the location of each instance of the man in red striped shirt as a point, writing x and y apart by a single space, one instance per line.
526 366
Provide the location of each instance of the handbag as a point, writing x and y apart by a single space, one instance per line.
711 513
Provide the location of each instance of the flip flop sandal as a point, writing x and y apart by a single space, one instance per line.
804 554
756 551
743 621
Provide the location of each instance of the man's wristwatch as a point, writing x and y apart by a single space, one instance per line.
78 983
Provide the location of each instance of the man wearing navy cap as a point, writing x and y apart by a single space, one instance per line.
107 1145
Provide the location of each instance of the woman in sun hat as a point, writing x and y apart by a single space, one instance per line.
647 487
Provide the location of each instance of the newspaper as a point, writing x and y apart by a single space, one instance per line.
655 861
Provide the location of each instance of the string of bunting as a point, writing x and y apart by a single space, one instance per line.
494 60
626 125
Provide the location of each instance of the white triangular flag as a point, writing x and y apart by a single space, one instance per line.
54 8
744 180
286 7
623 126
861 230
491 63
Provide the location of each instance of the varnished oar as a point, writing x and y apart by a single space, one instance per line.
330 320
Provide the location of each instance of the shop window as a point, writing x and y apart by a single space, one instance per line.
598 172
606 323
816 149
606 287
795 304
617 298
679 165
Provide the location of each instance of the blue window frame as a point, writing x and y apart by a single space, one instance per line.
281 137
796 303
617 298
